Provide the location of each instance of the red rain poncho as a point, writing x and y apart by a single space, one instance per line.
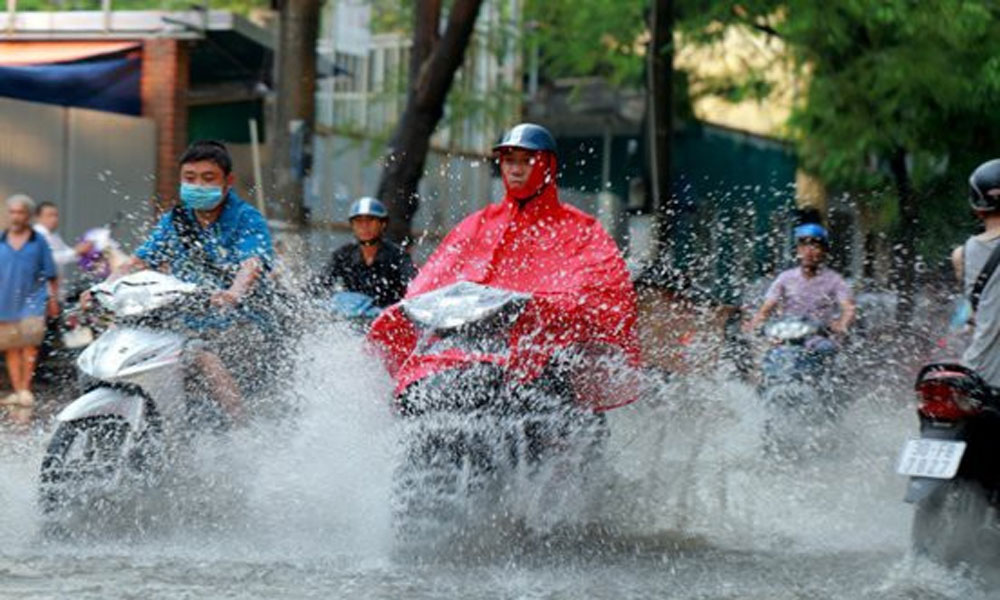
582 292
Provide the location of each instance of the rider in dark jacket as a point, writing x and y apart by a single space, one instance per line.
372 265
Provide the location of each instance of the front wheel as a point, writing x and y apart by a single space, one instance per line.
951 526
435 488
92 460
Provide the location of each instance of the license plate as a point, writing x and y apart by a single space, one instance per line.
938 459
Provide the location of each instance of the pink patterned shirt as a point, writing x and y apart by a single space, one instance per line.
817 297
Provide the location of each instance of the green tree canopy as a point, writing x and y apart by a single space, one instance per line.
600 37
900 97
896 77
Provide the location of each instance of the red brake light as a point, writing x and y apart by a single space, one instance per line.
939 400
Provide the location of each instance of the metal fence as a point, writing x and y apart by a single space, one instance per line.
96 166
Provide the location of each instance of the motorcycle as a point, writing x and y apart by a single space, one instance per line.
796 387
355 308
954 484
139 410
471 431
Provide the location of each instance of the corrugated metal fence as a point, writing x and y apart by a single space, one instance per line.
96 166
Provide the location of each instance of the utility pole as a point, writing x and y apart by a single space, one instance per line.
660 69
295 105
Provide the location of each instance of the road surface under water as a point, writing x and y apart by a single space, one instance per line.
693 512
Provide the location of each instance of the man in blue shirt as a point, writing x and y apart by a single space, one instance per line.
27 292
216 240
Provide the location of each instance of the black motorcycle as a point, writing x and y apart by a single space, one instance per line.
954 481
797 388
472 432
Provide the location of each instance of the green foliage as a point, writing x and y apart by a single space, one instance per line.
917 76
887 76
602 37
752 86
898 75
391 15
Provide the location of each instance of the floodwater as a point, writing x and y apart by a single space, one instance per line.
692 511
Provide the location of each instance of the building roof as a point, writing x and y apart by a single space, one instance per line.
127 24
231 57
237 48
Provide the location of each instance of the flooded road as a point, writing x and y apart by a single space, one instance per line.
693 511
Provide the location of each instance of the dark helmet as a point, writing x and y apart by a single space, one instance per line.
527 136
983 180
809 232
368 207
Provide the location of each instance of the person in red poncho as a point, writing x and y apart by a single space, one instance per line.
583 301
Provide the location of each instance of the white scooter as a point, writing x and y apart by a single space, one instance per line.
137 410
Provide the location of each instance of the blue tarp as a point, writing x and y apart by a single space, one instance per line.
111 84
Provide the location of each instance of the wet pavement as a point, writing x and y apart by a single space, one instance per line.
692 510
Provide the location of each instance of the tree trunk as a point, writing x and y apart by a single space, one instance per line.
905 262
660 78
432 70
296 104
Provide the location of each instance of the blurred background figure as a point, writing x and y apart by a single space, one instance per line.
47 225
65 258
99 255
370 273
28 292
79 266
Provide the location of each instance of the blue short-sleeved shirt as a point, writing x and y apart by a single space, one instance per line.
23 274
239 234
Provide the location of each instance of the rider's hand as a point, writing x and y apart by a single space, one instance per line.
84 248
225 299
749 326
52 308
86 300
838 328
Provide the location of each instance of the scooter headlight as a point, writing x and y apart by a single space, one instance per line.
790 330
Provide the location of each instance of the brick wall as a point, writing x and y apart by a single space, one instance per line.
165 78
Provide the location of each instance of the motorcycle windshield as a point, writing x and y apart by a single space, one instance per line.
460 304
141 292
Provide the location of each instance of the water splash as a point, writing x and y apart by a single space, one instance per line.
689 494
